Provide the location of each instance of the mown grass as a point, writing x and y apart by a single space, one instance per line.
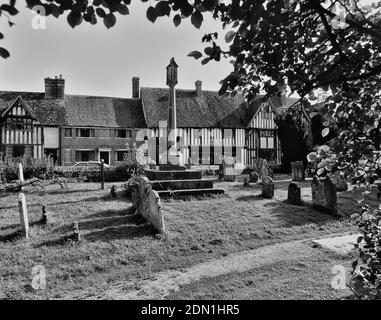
120 247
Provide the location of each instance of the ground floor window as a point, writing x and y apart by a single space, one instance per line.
121 155
85 155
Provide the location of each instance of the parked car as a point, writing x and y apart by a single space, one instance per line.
88 165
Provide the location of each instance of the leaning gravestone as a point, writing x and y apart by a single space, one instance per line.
297 171
153 211
147 203
267 187
324 195
294 194
340 181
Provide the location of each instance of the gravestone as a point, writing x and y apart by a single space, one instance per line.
246 182
297 171
253 177
153 211
294 194
262 168
324 195
227 172
147 203
340 181
22 204
267 187
378 184
317 190
330 195
113 191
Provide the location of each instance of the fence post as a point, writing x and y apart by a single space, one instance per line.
22 205
102 174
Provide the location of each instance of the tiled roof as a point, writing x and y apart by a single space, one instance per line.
76 110
208 110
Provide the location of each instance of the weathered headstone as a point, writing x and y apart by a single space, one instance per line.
22 205
153 211
340 181
330 195
253 177
294 194
378 184
76 235
147 203
23 215
262 168
267 187
113 191
317 190
227 172
297 171
324 195
44 219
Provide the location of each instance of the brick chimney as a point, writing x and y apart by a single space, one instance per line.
198 88
60 88
49 84
136 87
55 88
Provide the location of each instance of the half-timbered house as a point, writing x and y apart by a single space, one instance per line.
73 128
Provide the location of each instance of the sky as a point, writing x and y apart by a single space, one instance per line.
97 61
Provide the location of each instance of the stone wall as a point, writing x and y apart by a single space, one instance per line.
147 203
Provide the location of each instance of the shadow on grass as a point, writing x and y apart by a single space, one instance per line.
250 198
15 227
64 191
105 226
11 236
106 197
298 215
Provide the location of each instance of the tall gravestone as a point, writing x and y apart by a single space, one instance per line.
324 195
227 172
297 171
294 194
267 187
330 195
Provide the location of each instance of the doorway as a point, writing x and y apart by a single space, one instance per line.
105 155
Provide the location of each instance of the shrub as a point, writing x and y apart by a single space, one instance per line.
367 268
32 168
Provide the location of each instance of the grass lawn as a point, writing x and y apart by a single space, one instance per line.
119 247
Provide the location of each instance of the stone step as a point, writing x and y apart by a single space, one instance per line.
188 192
160 185
154 175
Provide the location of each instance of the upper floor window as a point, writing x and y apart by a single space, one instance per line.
85 133
104 133
68 132
19 124
122 133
